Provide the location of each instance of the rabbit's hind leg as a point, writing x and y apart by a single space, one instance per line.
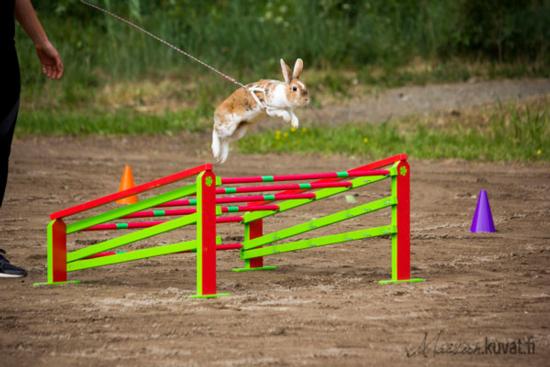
216 145
224 128
224 151
237 134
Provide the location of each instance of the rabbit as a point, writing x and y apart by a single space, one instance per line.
256 102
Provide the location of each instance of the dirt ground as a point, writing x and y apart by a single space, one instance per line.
322 307
421 100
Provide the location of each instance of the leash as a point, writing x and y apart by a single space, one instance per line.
177 49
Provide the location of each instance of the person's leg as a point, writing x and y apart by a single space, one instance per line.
9 107
7 128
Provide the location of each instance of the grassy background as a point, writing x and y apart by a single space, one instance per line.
377 39
119 81
506 132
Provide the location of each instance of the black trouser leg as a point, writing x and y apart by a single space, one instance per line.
7 128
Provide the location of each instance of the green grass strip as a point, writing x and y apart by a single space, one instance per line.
129 209
132 256
320 222
132 237
319 194
319 241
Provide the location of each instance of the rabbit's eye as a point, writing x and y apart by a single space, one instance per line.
294 89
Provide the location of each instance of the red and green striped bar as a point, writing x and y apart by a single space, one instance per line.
160 213
294 186
306 176
266 197
180 202
248 208
229 219
129 225
173 212
242 199
136 225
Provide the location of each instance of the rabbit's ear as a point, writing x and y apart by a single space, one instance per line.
286 71
298 67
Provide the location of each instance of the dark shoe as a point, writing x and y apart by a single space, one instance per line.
8 270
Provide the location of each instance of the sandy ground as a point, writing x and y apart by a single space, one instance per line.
322 307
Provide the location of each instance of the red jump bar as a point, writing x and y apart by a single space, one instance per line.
133 191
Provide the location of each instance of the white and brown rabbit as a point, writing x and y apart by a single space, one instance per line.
259 100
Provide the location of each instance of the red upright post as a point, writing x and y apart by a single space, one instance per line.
253 230
57 254
403 221
256 230
206 235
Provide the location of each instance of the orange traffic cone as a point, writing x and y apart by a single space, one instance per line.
127 182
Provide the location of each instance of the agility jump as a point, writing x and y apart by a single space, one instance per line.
206 203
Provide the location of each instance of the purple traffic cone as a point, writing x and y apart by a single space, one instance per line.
483 219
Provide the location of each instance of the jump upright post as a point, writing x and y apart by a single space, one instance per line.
209 201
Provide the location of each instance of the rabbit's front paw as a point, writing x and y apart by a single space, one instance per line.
294 122
285 115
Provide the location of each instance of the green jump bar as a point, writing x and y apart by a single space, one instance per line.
320 222
131 237
131 256
129 209
319 194
319 241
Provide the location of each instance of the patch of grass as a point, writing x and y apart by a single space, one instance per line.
124 121
507 133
